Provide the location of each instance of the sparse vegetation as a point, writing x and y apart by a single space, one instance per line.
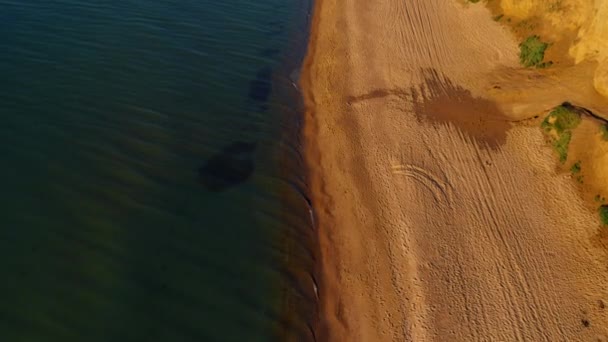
527 24
561 146
604 130
532 52
498 17
604 214
559 125
576 168
562 119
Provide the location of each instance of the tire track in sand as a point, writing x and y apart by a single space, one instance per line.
466 235
439 188
487 194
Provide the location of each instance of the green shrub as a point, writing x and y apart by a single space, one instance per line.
564 118
604 130
532 52
561 146
604 214
561 121
576 168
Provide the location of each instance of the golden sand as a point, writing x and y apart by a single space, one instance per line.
438 218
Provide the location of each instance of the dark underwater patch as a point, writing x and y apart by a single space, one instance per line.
260 87
231 166
271 52
275 28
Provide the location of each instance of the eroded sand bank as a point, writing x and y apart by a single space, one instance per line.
437 220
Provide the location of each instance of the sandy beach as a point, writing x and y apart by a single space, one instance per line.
438 218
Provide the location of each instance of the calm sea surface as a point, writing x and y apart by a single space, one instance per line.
151 181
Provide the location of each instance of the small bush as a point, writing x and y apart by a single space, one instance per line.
532 52
604 214
559 124
546 125
561 146
576 168
604 130
564 119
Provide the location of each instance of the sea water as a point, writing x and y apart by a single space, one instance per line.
152 186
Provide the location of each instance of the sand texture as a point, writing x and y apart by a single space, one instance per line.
576 29
438 218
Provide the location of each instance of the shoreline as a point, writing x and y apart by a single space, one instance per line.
311 155
380 275
298 300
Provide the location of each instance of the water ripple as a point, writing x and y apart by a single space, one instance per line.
109 110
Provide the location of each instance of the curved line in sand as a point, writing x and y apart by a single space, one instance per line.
434 184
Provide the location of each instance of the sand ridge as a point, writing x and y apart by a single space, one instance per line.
435 225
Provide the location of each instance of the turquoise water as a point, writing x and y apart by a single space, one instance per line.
151 180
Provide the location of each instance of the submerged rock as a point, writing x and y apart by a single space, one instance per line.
261 86
231 166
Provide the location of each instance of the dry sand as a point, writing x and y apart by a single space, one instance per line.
438 220
577 30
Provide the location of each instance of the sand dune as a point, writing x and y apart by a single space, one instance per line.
438 220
